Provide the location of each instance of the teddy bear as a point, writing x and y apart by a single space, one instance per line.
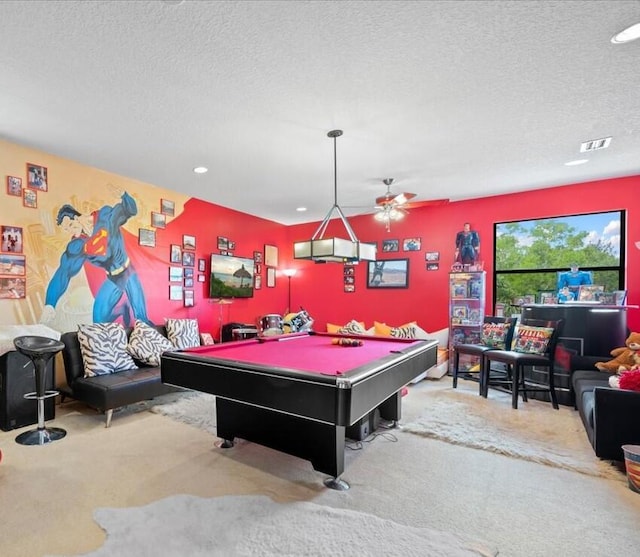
623 357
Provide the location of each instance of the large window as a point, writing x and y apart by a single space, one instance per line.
530 254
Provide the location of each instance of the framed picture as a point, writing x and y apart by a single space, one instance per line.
411 244
546 297
433 266
29 198
167 207
188 272
459 311
349 288
390 245
158 220
188 258
201 278
257 282
270 256
188 282
388 273
349 271
175 292
188 298
271 277
202 265
14 186
188 242
11 239
147 237
223 243
12 288
232 245
349 279
176 254
13 265
37 177
257 256
175 274
258 269
432 256
587 293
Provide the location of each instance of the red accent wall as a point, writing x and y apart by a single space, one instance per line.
319 288
249 234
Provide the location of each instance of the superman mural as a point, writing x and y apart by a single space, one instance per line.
97 241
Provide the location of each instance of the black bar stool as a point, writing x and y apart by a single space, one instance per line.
39 350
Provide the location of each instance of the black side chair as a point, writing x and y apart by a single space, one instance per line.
517 358
497 333
39 350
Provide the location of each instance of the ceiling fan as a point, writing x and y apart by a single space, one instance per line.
394 206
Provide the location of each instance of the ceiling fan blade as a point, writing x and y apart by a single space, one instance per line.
426 203
397 199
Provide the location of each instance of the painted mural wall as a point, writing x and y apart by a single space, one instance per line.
325 291
81 245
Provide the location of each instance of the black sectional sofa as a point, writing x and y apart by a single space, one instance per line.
106 392
611 417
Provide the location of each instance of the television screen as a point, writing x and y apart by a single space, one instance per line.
231 277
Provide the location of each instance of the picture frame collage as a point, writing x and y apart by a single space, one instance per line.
13 263
36 181
349 278
270 263
257 277
182 270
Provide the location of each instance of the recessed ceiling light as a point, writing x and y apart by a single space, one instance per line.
200 169
627 35
301 209
576 162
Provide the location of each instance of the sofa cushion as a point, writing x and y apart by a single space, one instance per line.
183 333
104 349
146 344
352 328
333 328
408 330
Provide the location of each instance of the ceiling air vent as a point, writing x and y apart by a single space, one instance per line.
595 145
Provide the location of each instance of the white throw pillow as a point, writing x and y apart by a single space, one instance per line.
147 345
104 349
183 333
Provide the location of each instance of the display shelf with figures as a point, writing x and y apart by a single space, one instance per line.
466 312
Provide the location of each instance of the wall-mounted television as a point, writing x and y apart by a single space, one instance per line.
231 276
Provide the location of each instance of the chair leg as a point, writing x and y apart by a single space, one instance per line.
515 385
552 389
456 362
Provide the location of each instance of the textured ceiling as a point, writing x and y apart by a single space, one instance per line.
452 99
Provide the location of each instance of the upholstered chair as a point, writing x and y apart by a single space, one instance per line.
496 334
534 344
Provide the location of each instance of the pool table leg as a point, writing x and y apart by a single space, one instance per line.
391 409
322 444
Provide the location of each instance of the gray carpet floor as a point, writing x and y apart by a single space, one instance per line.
519 507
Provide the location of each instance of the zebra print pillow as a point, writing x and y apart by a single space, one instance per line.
146 344
183 333
352 328
407 331
104 349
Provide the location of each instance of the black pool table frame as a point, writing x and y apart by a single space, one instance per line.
299 413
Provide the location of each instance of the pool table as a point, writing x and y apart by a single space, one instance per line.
297 393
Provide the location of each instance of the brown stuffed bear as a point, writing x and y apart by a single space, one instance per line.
623 358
